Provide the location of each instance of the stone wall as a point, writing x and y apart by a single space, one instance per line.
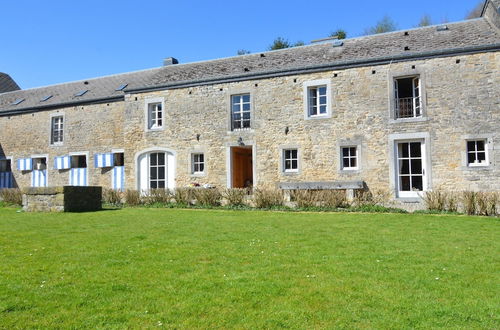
62 199
461 99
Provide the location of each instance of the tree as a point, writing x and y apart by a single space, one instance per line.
386 24
425 20
339 33
281 43
476 11
242 52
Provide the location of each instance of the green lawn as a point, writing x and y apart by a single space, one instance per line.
247 269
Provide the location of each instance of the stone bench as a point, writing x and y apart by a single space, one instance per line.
348 186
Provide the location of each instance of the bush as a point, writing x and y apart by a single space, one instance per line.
111 196
133 197
334 198
183 195
452 202
469 202
306 198
435 200
235 196
267 198
493 203
158 196
12 196
208 196
486 203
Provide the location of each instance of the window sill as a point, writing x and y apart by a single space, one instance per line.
409 199
241 130
318 117
197 175
290 173
60 144
477 168
159 129
349 171
408 120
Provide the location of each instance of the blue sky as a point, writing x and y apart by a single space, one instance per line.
53 41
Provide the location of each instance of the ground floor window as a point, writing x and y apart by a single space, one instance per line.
39 173
290 160
349 158
6 178
477 154
411 168
78 170
198 163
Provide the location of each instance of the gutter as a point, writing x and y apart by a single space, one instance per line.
323 67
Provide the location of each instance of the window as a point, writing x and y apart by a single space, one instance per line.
317 105
407 102
411 168
155 116
57 130
79 161
349 158
477 154
39 173
157 170
5 165
317 99
198 163
118 159
240 111
290 160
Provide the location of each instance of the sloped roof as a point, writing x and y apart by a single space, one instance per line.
366 50
7 84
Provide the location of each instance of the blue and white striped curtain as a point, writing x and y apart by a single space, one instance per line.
62 163
24 164
119 177
103 160
6 180
39 178
78 177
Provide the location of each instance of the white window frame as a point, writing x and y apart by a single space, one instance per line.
342 157
151 106
54 117
284 159
316 84
195 162
413 73
165 171
241 111
405 193
486 161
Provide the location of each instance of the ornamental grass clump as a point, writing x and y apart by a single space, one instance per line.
11 196
158 196
133 197
112 196
235 196
183 196
306 198
486 203
334 199
268 198
469 202
435 200
207 196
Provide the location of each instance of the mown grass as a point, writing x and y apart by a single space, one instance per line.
142 268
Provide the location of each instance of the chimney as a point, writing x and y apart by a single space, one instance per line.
170 61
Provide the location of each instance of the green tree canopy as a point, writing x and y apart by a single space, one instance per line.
339 33
386 24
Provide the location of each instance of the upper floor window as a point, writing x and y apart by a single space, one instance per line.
198 163
317 105
155 115
477 153
290 160
317 99
57 130
407 101
240 111
349 158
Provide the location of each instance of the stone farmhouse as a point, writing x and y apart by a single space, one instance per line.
406 111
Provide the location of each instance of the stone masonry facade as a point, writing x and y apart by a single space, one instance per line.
459 95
